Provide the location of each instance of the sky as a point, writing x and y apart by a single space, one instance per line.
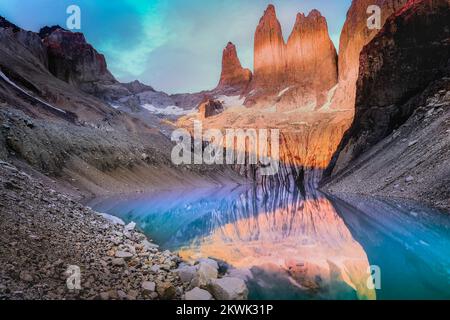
173 45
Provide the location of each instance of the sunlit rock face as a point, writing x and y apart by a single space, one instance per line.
295 75
269 51
233 74
292 90
311 56
275 232
355 35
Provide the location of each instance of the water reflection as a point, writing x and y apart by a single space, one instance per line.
286 244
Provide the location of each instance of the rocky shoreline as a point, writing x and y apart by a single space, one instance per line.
45 233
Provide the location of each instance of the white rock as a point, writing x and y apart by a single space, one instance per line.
412 143
124 255
187 273
148 245
229 289
148 286
155 268
198 294
211 262
409 179
129 227
118 262
112 219
205 273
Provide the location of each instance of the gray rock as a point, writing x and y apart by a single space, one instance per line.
198 294
26 276
155 268
129 227
187 273
211 262
148 286
124 255
118 262
409 179
228 289
205 273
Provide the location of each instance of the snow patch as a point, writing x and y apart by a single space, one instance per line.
231 101
330 95
112 219
167 111
282 92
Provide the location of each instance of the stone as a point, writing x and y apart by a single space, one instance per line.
130 227
124 255
409 179
228 289
104 296
155 268
233 74
148 245
26 276
122 295
187 273
205 273
198 294
118 262
166 291
211 262
148 286
210 108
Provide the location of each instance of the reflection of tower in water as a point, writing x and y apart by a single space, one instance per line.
300 237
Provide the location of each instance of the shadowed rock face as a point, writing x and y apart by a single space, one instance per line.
233 75
210 108
73 60
395 68
355 35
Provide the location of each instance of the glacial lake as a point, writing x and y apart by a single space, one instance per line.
290 245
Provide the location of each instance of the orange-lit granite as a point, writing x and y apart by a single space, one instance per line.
304 239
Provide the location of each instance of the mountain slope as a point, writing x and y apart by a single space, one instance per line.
50 126
399 142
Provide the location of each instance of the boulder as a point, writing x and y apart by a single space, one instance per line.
148 286
228 289
187 273
210 108
124 255
198 294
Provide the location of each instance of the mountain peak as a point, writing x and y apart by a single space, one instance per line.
269 64
233 75
46 31
6 24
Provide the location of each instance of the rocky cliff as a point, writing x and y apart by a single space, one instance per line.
311 55
355 35
233 75
72 59
269 52
297 74
403 79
